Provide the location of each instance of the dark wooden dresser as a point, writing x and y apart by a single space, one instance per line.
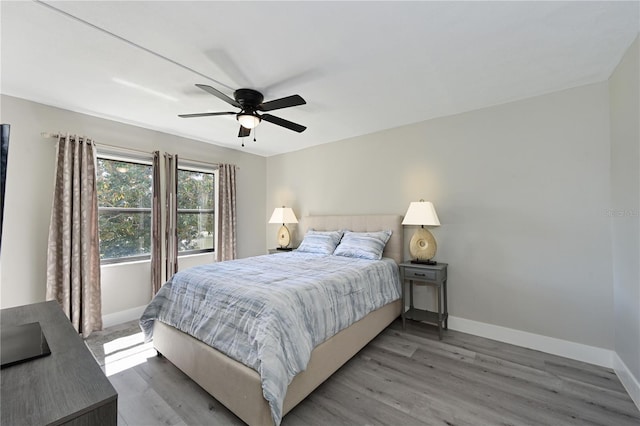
64 388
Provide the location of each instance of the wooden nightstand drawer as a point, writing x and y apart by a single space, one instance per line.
419 274
425 274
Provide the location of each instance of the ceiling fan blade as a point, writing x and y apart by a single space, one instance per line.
284 123
205 114
244 132
289 101
219 94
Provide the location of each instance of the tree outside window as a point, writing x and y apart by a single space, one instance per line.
196 214
124 210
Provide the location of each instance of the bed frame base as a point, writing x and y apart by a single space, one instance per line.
238 387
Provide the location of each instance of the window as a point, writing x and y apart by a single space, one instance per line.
196 212
124 210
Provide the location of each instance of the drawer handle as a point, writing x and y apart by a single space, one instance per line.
419 275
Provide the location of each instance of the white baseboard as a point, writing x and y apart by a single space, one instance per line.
551 345
577 351
629 382
116 318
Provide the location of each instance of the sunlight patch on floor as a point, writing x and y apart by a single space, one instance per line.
126 352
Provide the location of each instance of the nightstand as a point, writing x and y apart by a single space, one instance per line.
431 275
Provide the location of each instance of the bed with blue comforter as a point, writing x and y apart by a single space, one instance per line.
270 312
252 332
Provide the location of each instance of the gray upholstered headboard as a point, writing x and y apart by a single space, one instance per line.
360 223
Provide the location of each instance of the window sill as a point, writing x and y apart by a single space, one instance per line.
128 262
187 256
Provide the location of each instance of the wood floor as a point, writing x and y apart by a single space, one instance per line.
400 378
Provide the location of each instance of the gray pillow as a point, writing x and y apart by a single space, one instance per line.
363 245
321 242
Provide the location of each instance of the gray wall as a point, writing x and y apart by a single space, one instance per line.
29 196
521 190
624 92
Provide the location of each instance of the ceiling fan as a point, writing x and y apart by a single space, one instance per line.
250 102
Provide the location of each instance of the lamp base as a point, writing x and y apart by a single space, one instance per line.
284 248
422 245
424 262
284 237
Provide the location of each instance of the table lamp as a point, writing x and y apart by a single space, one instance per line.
423 245
283 215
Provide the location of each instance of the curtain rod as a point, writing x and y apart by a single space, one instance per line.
99 145
57 135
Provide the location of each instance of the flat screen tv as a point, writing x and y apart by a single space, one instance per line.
4 155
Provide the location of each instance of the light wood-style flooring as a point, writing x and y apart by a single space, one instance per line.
401 378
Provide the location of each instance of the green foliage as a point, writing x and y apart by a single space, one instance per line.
124 205
124 185
195 210
124 234
195 190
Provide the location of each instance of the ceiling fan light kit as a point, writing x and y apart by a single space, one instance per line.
248 121
250 102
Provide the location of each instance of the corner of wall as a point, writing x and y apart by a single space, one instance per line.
624 128
627 379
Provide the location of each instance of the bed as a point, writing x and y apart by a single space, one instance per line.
239 387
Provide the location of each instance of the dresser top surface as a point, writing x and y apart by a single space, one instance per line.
60 386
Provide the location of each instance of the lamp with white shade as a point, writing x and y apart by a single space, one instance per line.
283 215
423 245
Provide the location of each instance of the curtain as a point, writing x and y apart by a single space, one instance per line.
73 253
171 214
226 237
156 228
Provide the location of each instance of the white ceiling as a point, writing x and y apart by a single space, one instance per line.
361 66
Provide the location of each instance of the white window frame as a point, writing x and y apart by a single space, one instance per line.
191 166
113 155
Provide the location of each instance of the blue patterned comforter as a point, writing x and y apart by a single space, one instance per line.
269 312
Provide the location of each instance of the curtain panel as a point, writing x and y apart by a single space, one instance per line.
156 228
73 252
171 214
226 237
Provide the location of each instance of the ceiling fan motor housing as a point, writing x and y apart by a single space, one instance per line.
248 98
